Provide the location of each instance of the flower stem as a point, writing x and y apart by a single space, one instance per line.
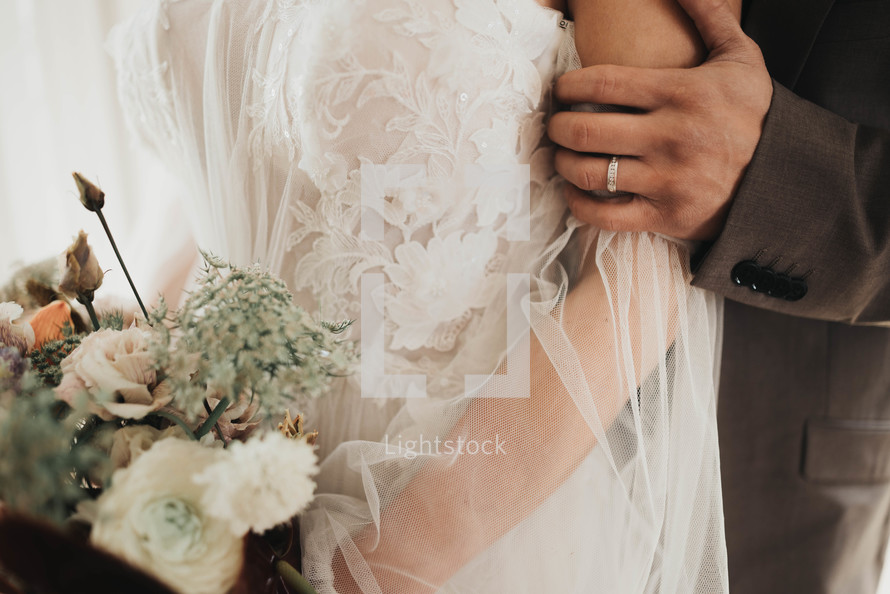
293 578
121 260
171 417
88 303
207 425
216 425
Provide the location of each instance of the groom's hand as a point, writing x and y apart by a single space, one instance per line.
683 151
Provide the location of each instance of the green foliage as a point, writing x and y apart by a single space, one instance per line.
47 360
112 320
336 327
39 468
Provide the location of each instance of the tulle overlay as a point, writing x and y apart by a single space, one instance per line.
535 409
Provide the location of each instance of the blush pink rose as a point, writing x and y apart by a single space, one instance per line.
116 371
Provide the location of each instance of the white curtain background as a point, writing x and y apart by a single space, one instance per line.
59 113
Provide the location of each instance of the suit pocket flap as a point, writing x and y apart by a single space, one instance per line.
847 451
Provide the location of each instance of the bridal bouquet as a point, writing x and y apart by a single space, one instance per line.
156 454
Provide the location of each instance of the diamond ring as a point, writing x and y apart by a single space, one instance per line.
612 176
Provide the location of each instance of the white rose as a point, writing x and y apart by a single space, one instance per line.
115 363
153 517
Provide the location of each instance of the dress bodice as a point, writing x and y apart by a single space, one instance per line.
401 137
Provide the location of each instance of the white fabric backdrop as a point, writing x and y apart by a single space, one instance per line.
59 113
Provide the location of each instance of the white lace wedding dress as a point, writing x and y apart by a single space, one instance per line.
387 158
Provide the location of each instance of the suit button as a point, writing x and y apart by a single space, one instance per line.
765 282
745 273
782 288
798 289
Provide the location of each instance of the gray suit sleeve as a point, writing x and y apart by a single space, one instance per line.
814 207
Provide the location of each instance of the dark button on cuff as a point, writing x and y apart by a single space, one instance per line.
798 289
765 282
782 288
746 273
763 279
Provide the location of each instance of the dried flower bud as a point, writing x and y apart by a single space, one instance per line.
293 429
90 195
79 269
288 428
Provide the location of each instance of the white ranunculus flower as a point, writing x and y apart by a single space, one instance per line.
260 483
115 363
153 517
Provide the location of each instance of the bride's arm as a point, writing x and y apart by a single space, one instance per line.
643 33
454 509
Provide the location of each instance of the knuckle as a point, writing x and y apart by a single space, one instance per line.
605 84
673 184
671 187
591 176
681 143
671 145
698 95
580 132
587 180
609 223
649 179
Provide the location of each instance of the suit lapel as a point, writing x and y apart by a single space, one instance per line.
785 31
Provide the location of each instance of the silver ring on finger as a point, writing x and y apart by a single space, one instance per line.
612 176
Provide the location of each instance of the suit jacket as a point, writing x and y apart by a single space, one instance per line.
804 410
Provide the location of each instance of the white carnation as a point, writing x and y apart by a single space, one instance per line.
260 483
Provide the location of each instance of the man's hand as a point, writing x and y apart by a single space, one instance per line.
684 154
